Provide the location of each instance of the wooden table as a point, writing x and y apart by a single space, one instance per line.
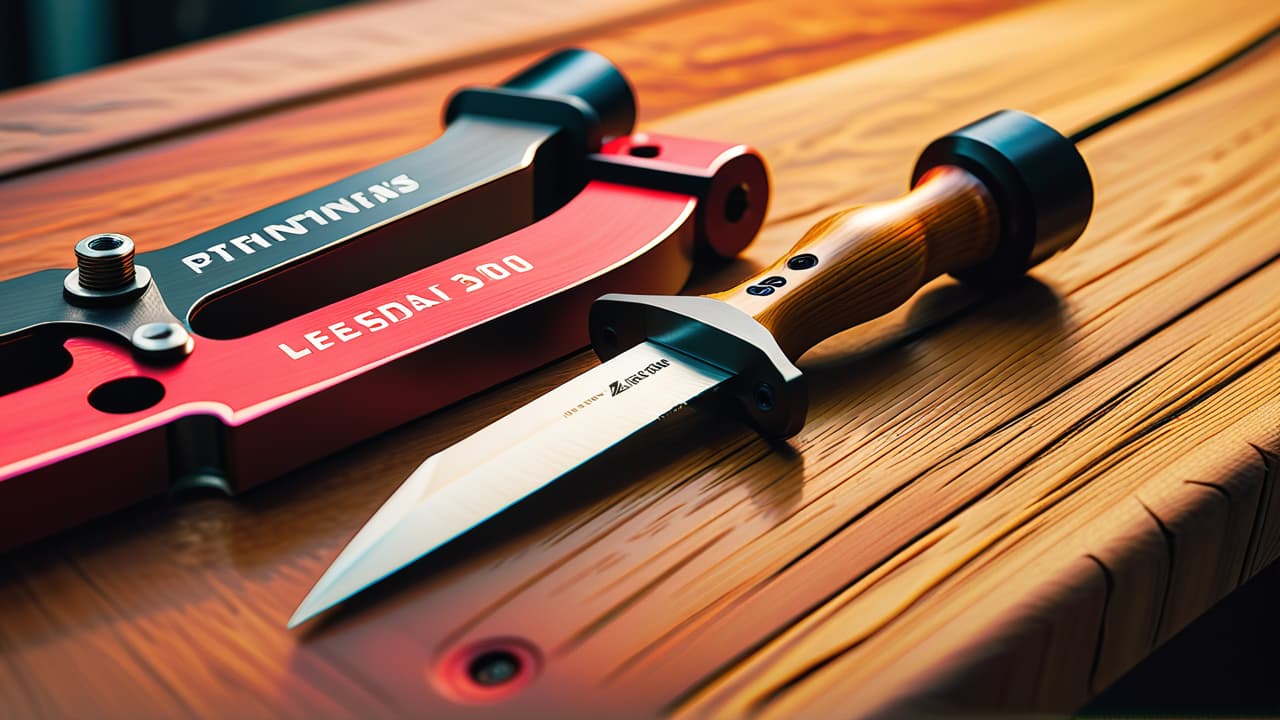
999 502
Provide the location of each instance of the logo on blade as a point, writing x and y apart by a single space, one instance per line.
617 387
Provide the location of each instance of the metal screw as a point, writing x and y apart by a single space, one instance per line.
162 338
105 273
105 261
496 667
764 397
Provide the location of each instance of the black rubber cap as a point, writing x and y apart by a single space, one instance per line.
1038 179
587 76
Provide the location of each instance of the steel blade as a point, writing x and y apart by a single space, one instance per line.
487 472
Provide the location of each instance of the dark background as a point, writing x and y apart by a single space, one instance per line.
42 39
1224 664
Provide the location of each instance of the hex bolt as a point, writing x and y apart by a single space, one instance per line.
105 262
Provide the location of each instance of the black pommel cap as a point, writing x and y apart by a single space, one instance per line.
1039 181
579 90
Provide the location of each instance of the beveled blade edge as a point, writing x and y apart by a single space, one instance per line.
504 462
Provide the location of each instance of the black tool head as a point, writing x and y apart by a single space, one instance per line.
1038 179
588 76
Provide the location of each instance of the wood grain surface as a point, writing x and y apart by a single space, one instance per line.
334 53
999 503
675 62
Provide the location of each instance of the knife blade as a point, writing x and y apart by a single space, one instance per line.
989 201
456 489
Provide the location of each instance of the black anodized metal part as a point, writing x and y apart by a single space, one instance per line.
767 386
1038 179
489 174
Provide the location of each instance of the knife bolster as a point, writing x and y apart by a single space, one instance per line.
768 386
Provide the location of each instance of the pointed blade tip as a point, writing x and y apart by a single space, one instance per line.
390 542
300 616
307 609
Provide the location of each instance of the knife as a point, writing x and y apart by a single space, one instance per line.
988 202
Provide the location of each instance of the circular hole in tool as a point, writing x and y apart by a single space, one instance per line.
764 397
645 151
126 395
488 671
736 202
102 243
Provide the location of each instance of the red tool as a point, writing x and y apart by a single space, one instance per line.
112 429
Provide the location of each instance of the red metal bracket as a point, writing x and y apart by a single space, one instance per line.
111 431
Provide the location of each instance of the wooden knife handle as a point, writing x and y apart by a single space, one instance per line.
865 261
989 201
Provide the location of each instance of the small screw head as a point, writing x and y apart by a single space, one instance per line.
764 398
496 667
487 671
161 337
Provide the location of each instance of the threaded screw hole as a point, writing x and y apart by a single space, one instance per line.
103 243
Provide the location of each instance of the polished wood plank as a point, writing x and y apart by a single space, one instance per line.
209 561
299 61
978 512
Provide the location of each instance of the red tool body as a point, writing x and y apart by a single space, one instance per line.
112 430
